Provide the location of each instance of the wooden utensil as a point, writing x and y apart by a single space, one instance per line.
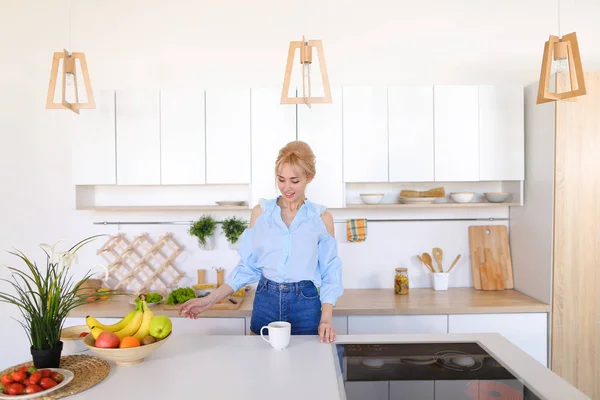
454 262
438 254
495 238
424 263
428 261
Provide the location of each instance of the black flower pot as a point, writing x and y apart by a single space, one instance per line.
49 358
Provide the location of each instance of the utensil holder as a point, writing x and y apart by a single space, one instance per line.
440 280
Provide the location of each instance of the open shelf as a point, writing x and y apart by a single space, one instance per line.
431 205
163 208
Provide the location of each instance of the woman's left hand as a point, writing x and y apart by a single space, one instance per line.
326 332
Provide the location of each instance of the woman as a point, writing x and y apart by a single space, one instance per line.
290 249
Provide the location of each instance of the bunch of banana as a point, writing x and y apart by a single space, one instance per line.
136 323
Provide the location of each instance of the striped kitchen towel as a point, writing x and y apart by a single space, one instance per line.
357 230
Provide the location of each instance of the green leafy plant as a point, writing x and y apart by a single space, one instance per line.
203 228
233 228
45 298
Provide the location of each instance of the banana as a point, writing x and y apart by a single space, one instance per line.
145 326
133 325
91 322
96 332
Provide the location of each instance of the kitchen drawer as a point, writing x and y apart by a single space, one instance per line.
376 324
367 390
413 390
340 324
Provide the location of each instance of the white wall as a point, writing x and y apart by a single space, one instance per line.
151 43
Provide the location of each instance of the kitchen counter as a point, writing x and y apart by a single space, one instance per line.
366 302
235 367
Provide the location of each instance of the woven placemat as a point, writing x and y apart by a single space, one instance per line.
88 371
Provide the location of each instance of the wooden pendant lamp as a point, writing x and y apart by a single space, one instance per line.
306 49
69 73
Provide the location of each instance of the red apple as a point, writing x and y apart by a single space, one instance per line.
107 340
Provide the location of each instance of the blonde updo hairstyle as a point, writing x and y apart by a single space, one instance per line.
299 156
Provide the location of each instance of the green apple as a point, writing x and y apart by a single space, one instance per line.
160 326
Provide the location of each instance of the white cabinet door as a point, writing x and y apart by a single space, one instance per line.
383 324
501 133
182 137
273 126
410 111
321 127
93 151
365 134
367 390
456 116
529 331
138 137
228 136
413 390
209 326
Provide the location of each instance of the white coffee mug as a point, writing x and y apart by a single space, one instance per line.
279 334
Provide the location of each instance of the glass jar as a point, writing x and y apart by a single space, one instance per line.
401 281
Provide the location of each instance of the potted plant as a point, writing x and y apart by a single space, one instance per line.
204 229
233 229
45 297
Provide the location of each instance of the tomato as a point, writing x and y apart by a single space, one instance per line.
19 376
26 381
35 378
16 388
47 383
58 377
33 389
46 373
7 380
24 368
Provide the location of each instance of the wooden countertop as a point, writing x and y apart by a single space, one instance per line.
366 302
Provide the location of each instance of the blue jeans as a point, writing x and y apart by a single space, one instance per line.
297 303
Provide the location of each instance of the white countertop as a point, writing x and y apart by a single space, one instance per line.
235 367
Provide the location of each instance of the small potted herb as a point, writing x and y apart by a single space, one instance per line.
45 297
233 229
203 230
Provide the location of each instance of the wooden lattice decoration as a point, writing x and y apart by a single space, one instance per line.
141 265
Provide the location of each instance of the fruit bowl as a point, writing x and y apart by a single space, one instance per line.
72 341
125 357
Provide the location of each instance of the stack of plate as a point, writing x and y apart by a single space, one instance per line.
417 200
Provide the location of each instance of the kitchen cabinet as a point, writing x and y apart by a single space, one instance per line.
529 331
209 326
365 131
138 137
94 143
411 134
321 127
367 390
413 390
501 133
340 323
456 119
228 136
273 126
182 137
384 324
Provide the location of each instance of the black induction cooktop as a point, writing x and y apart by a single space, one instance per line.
471 368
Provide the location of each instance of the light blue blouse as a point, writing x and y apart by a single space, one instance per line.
304 251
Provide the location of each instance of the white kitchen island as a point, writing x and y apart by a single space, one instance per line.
234 367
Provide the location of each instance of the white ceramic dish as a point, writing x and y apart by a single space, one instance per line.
371 198
496 197
72 342
231 203
132 302
462 197
68 378
417 200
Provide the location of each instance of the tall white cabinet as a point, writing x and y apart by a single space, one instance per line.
321 127
456 119
138 137
228 136
273 126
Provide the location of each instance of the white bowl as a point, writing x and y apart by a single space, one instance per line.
496 197
462 197
371 198
72 343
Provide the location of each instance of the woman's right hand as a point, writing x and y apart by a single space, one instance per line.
194 307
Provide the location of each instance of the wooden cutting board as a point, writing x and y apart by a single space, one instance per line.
494 238
224 304
490 273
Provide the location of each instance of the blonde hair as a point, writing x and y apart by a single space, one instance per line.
299 156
